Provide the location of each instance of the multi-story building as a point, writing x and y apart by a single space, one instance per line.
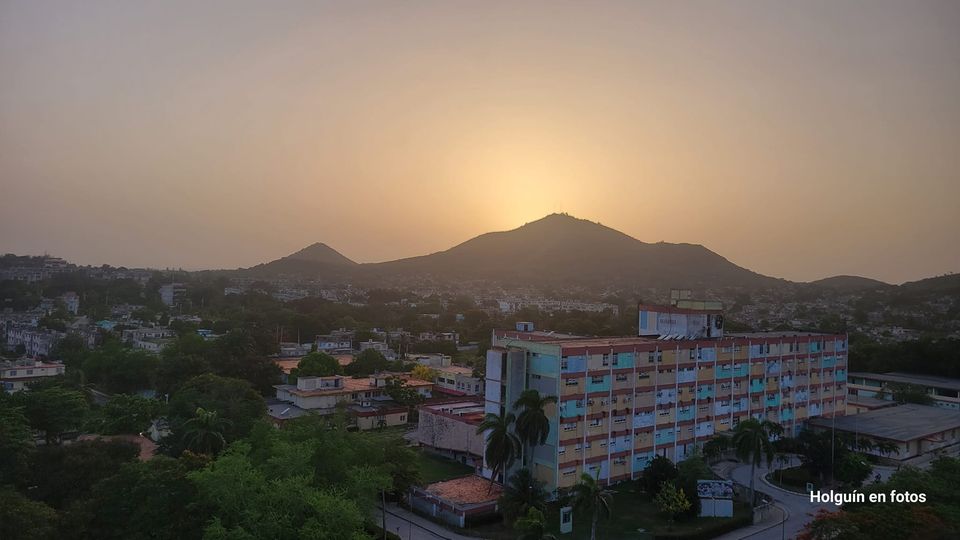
624 400
173 294
943 392
16 374
36 342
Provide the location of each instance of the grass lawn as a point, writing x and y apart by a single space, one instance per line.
632 510
437 469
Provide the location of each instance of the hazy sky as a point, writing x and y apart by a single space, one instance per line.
798 139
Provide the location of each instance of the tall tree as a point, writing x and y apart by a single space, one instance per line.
54 410
204 432
590 497
233 399
502 445
315 364
16 441
24 519
533 426
751 440
521 493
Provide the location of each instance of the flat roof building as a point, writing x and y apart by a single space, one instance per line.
916 429
943 391
624 400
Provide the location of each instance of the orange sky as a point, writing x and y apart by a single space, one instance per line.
800 139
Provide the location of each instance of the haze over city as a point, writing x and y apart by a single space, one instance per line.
797 140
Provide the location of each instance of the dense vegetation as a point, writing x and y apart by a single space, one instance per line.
314 479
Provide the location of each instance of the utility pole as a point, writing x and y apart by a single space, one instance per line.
383 513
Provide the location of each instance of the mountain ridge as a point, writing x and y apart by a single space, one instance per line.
557 248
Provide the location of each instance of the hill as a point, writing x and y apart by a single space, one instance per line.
314 259
850 283
557 249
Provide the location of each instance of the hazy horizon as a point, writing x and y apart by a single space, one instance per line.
798 140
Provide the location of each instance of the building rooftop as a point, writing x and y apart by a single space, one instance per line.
466 490
455 369
468 411
285 411
910 378
869 402
901 423
351 385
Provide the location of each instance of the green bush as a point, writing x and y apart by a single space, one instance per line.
795 477
721 527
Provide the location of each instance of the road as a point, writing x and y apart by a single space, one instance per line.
798 507
410 526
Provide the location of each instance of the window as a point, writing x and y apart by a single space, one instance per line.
616 361
563 363
570 382
570 427
403 418
562 450
596 422
568 472
597 380
643 375
693 354
605 360
621 377
619 419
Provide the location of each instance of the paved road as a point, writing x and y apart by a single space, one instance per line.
410 526
799 508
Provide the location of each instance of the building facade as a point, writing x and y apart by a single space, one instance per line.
624 400
943 392
17 374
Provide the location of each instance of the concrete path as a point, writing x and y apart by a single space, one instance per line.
410 526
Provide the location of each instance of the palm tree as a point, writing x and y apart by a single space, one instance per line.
751 439
204 432
533 426
715 447
589 496
502 445
532 527
522 493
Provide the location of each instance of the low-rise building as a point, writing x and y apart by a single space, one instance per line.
459 502
450 429
433 360
915 429
149 338
366 398
458 381
15 375
944 392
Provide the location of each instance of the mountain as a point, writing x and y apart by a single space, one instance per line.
850 283
557 249
314 259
